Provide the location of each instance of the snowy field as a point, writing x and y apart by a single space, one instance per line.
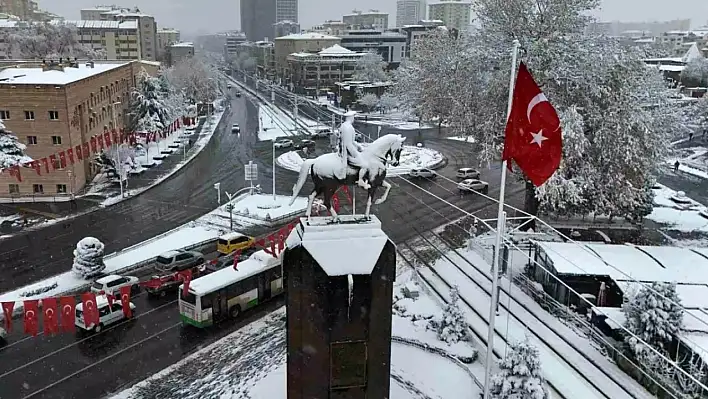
250 363
206 228
411 157
693 161
273 123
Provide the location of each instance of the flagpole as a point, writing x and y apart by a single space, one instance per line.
498 241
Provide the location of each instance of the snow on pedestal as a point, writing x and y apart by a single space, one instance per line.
88 258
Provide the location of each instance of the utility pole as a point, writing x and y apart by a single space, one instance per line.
295 114
273 171
119 166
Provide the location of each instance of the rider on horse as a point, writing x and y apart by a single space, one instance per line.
351 151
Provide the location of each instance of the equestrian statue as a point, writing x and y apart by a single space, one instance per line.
351 164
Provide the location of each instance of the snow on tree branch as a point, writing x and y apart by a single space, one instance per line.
369 101
520 374
149 111
371 68
88 258
198 81
695 73
49 40
12 152
654 315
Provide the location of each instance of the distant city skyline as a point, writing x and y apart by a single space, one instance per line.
192 17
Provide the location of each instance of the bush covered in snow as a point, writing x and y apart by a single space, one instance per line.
655 315
452 327
88 258
12 152
519 375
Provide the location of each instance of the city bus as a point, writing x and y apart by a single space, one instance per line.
227 292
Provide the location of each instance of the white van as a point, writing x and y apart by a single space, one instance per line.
107 314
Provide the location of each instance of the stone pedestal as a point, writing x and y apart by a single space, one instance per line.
339 279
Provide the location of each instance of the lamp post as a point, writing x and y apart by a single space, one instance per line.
230 207
273 171
119 165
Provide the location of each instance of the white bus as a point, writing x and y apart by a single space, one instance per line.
228 292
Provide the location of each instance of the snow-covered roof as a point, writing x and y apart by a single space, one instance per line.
307 36
692 53
258 262
231 236
693 296
108 279
183 44
169 254
349 247
336 50
671 68
89 24
37 76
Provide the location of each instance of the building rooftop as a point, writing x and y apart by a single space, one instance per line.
439 3
126 13
370 12
88 24
36 76
307 36
336 50
183 44
167 30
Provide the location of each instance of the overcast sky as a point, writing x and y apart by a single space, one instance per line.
192 16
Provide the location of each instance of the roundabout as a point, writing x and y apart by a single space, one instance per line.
411 158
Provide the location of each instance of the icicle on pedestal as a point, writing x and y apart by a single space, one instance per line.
339 279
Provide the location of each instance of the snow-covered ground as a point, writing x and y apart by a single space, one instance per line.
398 124
411 157
250 363
693 161
468 139
206 228
687 217
273 123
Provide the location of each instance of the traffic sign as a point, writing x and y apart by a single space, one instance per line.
251 171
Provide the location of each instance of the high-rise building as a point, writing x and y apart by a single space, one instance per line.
372 19
284 28
166 37
409 12
258 16
455 14
26 10
146 25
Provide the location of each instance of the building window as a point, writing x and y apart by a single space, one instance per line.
5 115
14 188
348 364
29 115
54 115
31 140
38 189
61 188
56 140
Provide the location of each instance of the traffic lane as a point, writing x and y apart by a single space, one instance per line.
694 187
119 368
27 257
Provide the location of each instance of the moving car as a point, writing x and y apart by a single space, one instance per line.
283 143
108 314
230 242
112 284
422 173
305 143
238 94
470 185
178 260
320 132
235 128
467 173
229 86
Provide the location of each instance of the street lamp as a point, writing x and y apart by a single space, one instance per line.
230 206
273 172
119 165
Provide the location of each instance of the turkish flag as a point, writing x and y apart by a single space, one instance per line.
185 276
335 202
87 153
51 322
99 138
7 313
67 305
62 159
273 240
107 138
37 167
237 254
110 299
53 161
45 161
31 308
260 243
125 301
90 310
15 172
533 133
70 154
79 153
93 144
116 137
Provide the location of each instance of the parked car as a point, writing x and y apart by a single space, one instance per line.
469 185
112 284
238 94
467 173
283 143
305 144
235 128
229 86
108 314
321 132
178 260
422 173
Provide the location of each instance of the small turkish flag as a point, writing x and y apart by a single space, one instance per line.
335 202
116 137
185 276
93 145
107 138
260 243
110 299
346 192
70 154
90 310
15 172
125 302
7 312
533 133
99 138
62 159
51 322
67 305
31 308
37 167
237 254
79 153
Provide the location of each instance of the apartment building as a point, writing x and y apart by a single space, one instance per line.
56 107
409 12
372 19
311 73
455 14
119 40
264 54
179 51
416 32
147 26
284 28
299 43
232 41
390 45
166 37
26 10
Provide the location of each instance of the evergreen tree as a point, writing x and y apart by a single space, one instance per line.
519 375
452 327
88 258
147 108
654 315
12 152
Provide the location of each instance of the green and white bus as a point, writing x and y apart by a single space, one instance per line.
228 292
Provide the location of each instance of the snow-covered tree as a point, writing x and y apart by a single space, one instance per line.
654 315
49 40
387 102
371 68
148 111
198 81
12 152
452 327
88 258
369 101
612 106
519 375
695 73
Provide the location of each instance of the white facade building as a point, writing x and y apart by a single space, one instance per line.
409 12
391 46
454 14
372 19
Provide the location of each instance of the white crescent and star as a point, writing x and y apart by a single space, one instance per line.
538 137
124 298
30 314
66 309
49 312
